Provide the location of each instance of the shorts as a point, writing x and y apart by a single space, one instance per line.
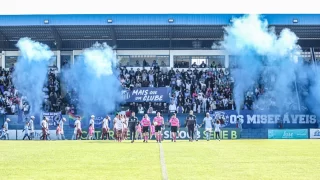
145 129
79 131
125 130
158 128
44 131
174 128
208 129
119 131
104 130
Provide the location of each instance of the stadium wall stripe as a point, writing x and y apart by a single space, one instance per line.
148 19
163 163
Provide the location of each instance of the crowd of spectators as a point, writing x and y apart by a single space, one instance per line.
53 99
13 102
10 102
199 89
263 95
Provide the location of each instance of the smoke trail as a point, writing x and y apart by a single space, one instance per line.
262 57
30 71
94 78
312 92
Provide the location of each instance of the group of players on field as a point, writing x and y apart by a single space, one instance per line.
121 124
145 129
29 129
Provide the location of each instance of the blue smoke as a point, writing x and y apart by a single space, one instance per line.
313 92
94 77
30 71
264 57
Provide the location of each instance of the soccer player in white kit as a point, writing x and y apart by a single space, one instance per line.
44 126
105 128
119 127
6 129
74 136
26 131
63 120
78 127
47 130
31 125
125 127
208 121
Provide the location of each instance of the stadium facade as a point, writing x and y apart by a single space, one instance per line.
168 38
171 39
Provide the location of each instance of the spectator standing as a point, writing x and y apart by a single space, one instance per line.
172 107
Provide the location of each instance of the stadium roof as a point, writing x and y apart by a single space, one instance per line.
140 31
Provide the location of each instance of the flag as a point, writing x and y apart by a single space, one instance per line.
72 116
72 119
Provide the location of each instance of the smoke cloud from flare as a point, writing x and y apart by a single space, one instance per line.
30 71
94 78
261 55
251 33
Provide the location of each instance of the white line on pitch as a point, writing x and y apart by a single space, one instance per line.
163 164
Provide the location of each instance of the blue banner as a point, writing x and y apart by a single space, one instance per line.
98 121
148 94
288 134
53 118
263 120
20 119
249 119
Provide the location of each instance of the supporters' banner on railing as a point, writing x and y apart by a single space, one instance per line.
226 133
249 119
98 121
288 134
256 120
314 133
85 120
148 94
53 118
19 134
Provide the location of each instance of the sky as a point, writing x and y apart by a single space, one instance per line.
22 7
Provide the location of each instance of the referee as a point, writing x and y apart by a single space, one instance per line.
190 124
133 121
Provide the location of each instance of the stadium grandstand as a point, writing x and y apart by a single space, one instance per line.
153 50
124 80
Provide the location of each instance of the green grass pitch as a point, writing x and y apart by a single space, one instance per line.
229 159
